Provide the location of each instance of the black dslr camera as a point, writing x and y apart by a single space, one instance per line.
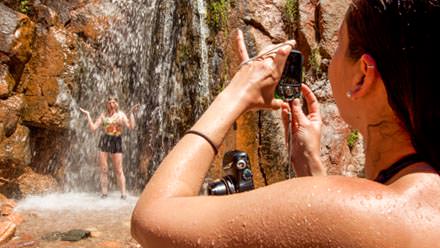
238 175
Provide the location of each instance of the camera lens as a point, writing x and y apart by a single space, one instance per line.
225 186
217 188
241 164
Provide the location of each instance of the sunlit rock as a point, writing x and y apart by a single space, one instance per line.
267 17
330 16
45 77
7 82
16 35
15 152
7 231
31 183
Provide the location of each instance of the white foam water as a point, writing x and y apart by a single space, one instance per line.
76 202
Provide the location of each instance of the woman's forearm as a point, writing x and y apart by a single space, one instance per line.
182 172
92 126
132 121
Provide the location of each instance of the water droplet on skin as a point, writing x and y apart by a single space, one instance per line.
309 205
379 197
199 241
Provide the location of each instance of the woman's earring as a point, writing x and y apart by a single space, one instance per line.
349 94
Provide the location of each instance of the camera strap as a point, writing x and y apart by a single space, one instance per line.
289 144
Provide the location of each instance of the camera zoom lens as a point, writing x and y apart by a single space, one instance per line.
241 164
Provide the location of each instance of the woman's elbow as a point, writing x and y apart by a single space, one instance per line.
142 228
139 228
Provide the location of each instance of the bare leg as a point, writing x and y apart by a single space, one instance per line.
103 166
117 164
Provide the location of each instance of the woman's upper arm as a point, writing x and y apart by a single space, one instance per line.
300 212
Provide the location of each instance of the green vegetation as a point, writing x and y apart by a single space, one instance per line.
24 6
291 10
352 138
315 60
217 17
291 14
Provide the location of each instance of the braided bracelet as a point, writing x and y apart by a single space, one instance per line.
205 137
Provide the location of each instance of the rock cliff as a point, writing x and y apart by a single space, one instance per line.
43 46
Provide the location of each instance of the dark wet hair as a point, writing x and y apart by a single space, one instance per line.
403 38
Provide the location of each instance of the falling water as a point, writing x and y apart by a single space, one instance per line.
154 53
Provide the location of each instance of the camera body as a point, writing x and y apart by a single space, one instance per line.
289 86
238 175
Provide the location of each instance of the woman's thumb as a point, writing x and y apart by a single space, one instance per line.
297 112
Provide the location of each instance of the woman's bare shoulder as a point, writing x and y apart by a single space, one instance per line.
302 212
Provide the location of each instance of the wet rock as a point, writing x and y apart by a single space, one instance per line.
7 231
273 151
47 78
17 32
75 235
71 235
31 183
46 16
10 112
330 16
7 82
307 34
63 8
266 17
15 152
336 154
52 236
92 21
7 206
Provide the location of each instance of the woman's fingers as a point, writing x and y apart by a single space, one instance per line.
280 61
312 102
277 104
242 50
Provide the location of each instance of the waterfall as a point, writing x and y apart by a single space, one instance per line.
139 59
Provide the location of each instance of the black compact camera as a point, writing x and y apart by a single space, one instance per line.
289 86
238 175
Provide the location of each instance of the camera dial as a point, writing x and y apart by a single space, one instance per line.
238 175
241 164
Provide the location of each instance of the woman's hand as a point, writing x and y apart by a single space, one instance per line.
254 84
84 111
135 108
306 134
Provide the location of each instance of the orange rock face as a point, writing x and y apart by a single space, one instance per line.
7 231
261 133
31 183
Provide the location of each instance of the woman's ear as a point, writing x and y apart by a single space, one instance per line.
368 75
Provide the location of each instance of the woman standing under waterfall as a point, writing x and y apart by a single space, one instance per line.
113 122
384 76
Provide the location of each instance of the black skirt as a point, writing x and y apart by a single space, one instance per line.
110 144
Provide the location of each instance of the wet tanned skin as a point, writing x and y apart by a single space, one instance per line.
312 211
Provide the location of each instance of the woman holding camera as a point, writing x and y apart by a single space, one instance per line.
383 76
110 142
